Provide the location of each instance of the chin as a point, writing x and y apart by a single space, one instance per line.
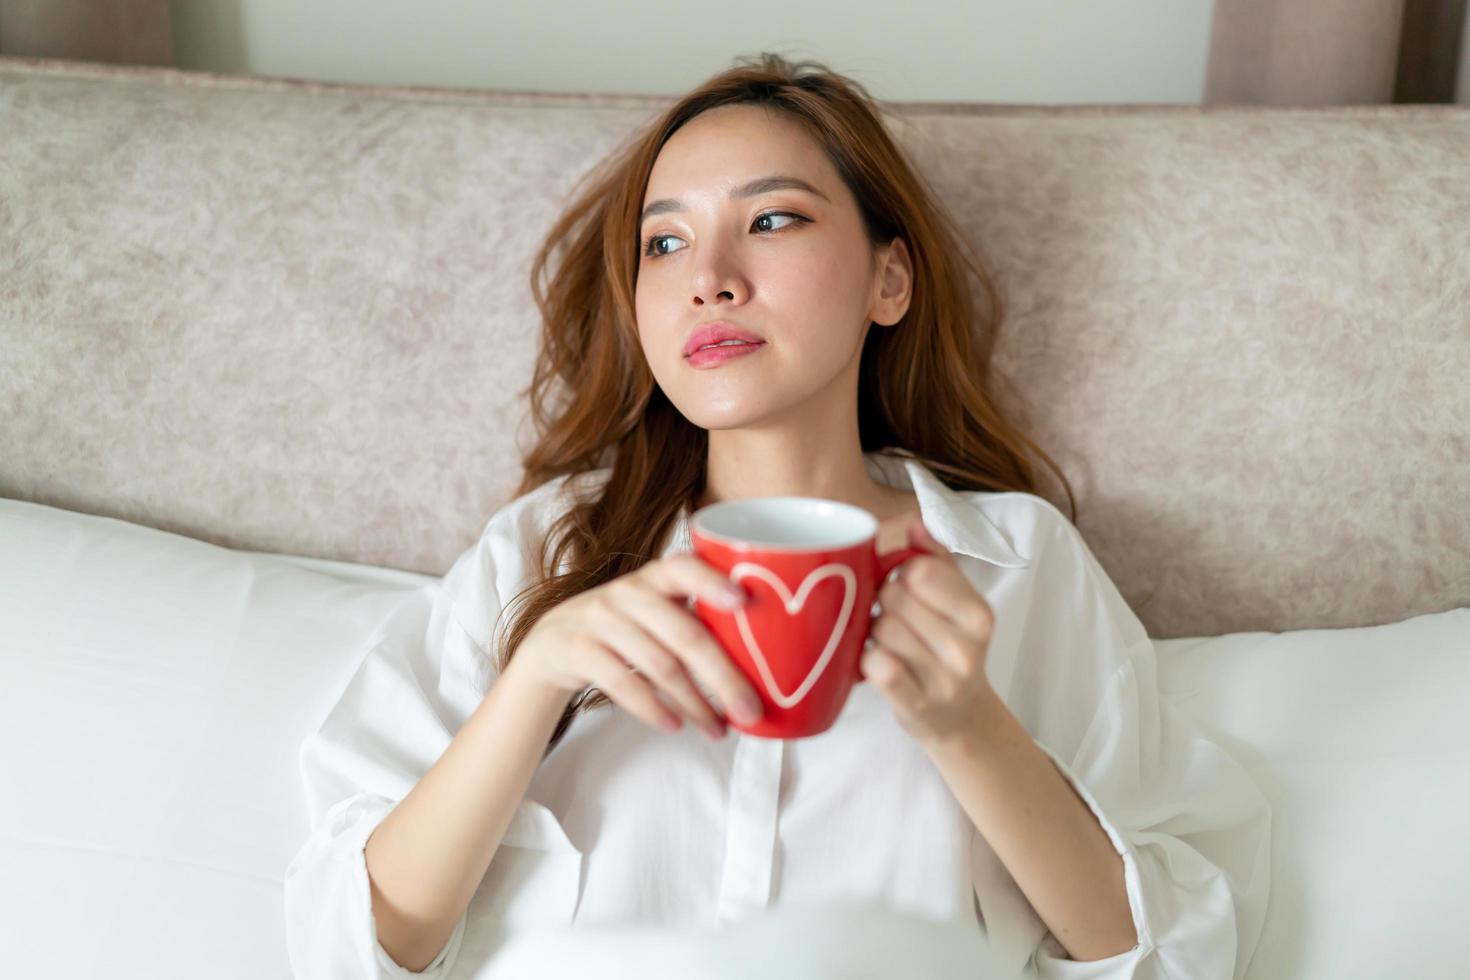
715 423
729 416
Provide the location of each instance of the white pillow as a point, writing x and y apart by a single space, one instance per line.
154 693
1361 741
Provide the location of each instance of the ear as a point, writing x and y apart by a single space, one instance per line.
895 284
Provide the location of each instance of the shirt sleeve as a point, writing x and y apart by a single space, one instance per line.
425 670
1191 826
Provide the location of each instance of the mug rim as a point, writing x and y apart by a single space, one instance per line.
861 514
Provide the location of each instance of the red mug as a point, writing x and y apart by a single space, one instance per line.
810 569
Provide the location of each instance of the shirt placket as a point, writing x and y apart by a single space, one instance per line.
750 827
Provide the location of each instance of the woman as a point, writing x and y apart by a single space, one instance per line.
1010 762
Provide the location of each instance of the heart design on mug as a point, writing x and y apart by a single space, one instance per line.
793 605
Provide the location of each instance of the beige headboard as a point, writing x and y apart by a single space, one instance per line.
290 316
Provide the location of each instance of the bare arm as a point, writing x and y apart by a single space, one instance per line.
429 854
1045 834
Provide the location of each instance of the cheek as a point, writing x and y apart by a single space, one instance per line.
818 285
643 312
807 271
652 330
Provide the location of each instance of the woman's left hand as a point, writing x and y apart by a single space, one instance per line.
927 649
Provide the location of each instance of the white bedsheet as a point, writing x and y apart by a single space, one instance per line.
837 941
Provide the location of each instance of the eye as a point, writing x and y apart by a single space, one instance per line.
648 244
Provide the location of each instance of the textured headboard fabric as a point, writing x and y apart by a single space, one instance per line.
291 316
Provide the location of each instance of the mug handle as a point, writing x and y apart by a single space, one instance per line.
883 565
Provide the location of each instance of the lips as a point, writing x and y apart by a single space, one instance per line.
709 357
716 332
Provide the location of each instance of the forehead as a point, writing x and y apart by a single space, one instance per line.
727 146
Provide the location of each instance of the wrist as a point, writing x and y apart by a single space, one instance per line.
531 688
992 723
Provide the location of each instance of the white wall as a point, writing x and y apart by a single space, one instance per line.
1047 51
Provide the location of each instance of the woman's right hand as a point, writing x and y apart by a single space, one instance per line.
635 636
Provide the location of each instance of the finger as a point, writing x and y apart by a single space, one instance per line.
681 631
941 635
888 671
609 673
620 629
919 536
689 576
941 587
899 639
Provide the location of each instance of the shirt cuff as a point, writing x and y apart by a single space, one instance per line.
329 909
1051 957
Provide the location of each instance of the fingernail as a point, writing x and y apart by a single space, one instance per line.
732 598
748 710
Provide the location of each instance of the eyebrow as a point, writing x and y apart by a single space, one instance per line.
761 185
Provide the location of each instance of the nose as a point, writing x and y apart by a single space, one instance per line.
716 275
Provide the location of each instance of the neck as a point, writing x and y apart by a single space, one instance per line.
750 467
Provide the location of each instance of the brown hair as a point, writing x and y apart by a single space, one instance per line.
921 386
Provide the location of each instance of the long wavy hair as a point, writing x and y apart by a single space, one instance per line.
923 382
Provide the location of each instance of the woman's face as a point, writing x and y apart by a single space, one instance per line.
793 266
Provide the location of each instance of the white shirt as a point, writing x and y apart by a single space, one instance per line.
625 824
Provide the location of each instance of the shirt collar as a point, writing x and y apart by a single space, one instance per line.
955 522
